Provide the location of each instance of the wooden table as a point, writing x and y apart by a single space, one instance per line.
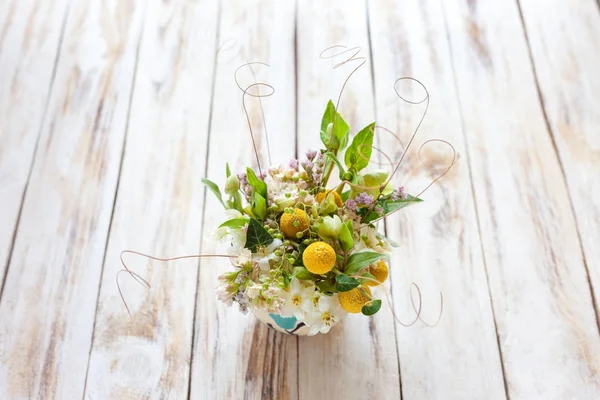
112 110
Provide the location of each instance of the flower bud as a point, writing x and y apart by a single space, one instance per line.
232 184
330 227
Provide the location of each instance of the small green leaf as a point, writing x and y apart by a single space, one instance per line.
362 259
257 236
391 206
345 195
326 287
344 283
338 163
260 206
375 179
302 273
359 152
227 170
367 275
339 136
234 223
259 186
213 188
346 238
371 307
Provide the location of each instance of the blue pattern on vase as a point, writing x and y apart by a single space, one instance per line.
284 322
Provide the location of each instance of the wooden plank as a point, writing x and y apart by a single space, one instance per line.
440 244
30 34
541 296
50 296
358 358
158 211
567 73
235 356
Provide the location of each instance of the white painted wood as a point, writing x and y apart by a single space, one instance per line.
546 323
565 44
50 296
29 37
439 240
158 211
357 359
235 356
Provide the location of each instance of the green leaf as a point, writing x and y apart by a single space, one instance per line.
339 136
375 179
234 223
326 287
338 163
260 206
302 273
391 206
359 152
227 170
371 307
346 238
357 261
367 275
259 186
301 249
257 236
345 195
213 188
344 283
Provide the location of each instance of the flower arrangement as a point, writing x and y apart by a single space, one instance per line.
305 254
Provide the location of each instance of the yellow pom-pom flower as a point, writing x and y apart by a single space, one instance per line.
380 271
292 224
319 258
336 197
354 300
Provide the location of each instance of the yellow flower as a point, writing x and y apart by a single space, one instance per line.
354 300
291 224
336 196
380 271
319 258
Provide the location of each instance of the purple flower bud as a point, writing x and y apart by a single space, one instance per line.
311 154
294 163
351 204
364 199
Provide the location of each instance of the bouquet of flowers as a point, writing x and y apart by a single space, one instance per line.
305 254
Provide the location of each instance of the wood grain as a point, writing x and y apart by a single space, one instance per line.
570 87
235 356
158 211
358 358
52 283
537 277
30 34
439 239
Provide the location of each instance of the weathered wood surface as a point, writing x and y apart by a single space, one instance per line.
537 277
49 301
134 101
158 211
568 79
30 36
409 39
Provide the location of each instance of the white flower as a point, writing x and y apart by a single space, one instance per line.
244 258
253 291
296 298
225 295
263 256
234 238
328 313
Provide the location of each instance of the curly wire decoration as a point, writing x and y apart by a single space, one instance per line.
352 57
245 91
144 282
